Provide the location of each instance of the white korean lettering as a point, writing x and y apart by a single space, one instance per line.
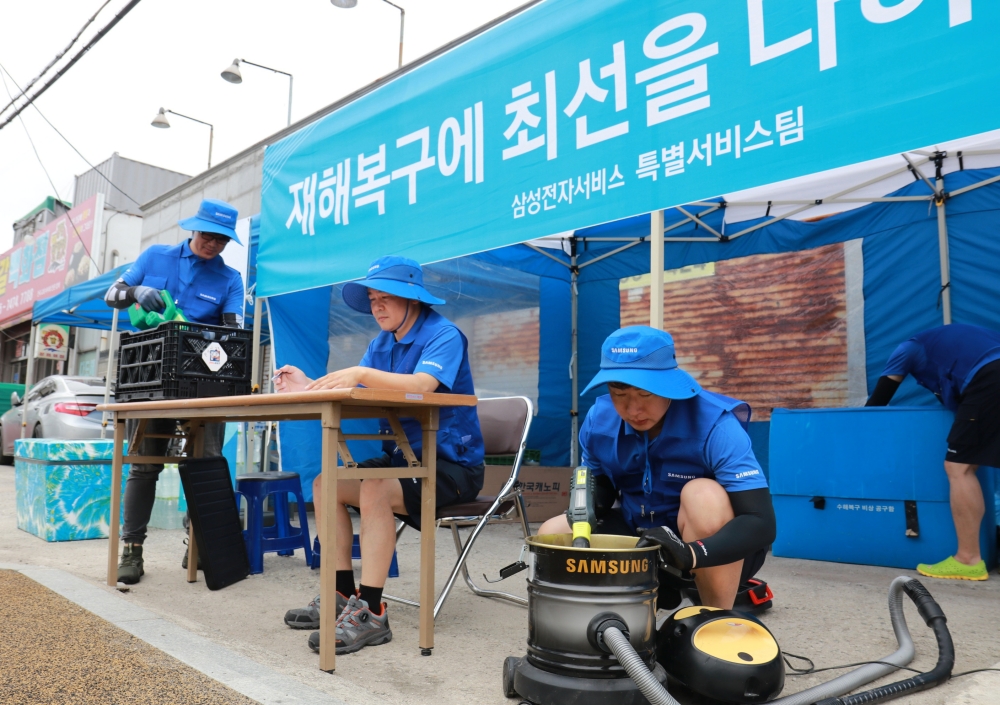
467 144
368 169
876 13
789 126
664 96
335 192
760 51
518 207
587 88
696 152
758 130
959 12
423 136
616 179
673 160
724 145
648 165
304 208
524 119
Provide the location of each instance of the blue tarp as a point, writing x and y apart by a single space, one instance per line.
83 305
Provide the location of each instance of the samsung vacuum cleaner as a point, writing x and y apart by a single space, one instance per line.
592 637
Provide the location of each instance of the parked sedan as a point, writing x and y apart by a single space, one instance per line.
57 407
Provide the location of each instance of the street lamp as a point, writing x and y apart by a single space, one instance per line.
161 121
233 75
348 4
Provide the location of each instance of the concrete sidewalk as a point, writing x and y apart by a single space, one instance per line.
832 613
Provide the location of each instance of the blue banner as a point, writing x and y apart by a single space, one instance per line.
578 112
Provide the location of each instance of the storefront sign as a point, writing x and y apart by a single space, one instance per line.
52 341
56 259
578 112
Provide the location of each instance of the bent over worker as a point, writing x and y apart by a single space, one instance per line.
419 351
960 364
679 461
208 291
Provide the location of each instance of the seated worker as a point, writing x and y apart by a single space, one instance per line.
960 364
420 351
678 458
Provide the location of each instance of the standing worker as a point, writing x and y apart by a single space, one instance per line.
960 364
208 291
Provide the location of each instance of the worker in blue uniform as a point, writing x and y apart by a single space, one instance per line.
208 291
676 462
418 350
960 364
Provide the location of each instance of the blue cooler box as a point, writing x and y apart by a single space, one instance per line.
867 485
62 489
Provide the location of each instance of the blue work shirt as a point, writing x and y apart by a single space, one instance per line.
433 345
945 359
704 436
203 289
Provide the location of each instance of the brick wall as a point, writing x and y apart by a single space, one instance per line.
503 352
768 329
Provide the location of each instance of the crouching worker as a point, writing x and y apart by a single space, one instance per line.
418 351
678 460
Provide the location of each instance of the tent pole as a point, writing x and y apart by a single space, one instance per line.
258 306
29 373
656 269
574 414
945 258
108 371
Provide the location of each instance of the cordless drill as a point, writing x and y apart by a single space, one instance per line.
581 506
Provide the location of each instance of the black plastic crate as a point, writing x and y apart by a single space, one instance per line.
167 362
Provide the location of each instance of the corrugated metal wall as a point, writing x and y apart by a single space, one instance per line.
769 329
143 182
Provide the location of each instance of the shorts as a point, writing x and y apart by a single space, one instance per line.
455 484
614 523
974 438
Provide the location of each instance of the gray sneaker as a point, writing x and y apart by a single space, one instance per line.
308 617
130 568
357 628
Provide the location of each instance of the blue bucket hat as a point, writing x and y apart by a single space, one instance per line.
644 357
213 217
394 275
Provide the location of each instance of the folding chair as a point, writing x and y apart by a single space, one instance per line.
505 422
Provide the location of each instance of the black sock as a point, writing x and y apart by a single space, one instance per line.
373 596
345 583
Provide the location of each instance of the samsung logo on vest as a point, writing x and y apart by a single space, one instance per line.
748 473
680 477
624 350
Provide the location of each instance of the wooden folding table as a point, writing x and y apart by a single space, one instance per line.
330 407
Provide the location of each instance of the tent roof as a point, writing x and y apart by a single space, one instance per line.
83 305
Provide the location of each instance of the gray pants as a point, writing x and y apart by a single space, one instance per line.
140 488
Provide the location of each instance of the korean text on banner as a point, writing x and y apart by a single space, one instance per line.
578 112
56 259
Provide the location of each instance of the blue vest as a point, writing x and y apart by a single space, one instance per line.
203 299
459 439
676 455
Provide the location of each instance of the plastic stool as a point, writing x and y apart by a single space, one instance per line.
355 554
282 538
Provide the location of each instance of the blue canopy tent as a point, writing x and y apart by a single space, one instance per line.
83 305
323 219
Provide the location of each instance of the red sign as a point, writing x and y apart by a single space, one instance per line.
58 258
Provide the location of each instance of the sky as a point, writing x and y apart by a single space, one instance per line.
170 53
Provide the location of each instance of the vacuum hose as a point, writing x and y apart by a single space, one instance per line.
934 618
644 679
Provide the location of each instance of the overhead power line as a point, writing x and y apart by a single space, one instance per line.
76 57
59 55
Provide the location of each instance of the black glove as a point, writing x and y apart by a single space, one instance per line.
673 550
149 298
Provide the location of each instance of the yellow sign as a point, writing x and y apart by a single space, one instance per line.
695 271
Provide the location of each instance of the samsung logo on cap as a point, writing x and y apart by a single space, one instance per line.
624 350
374 266
224 216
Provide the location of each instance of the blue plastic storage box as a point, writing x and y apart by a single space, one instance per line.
867 485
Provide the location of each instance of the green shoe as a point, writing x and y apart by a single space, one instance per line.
130 568
952 569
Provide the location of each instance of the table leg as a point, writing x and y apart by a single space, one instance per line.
198 450
328 540
114 521
428 517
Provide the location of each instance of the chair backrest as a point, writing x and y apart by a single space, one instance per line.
504 422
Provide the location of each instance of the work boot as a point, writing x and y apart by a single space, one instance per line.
308 617
357 628
130 568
